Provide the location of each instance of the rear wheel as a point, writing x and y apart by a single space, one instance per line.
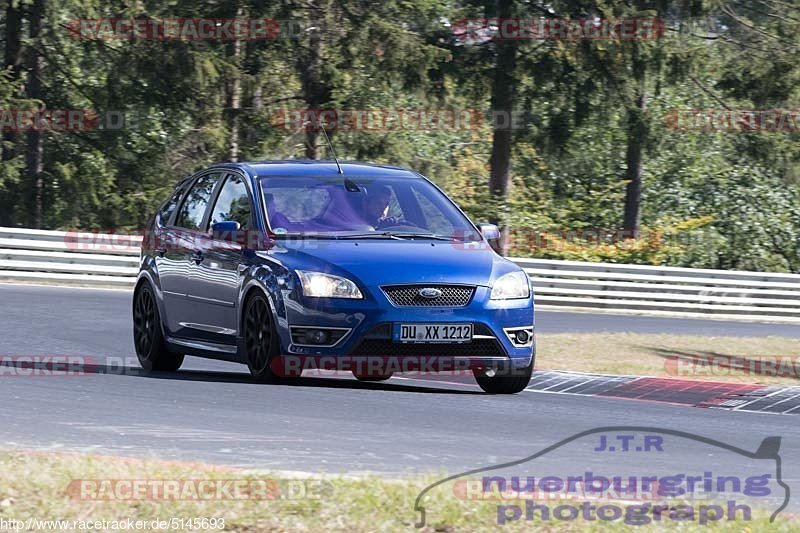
261 342
151 350
505 381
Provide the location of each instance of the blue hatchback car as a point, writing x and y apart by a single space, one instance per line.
291 265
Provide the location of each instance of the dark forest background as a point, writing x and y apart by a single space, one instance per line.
592 171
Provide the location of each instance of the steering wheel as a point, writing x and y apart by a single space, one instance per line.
391 223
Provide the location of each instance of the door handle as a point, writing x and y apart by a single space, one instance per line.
161 241
197 257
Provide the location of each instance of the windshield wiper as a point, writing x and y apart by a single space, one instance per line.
381 235
300 236
412 235
372 235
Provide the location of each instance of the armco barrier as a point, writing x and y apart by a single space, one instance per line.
71 258
91 259
657 290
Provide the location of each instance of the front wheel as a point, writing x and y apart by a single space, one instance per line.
261 342
151 350
506 381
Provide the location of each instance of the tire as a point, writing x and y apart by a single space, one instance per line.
506 382
148 338
261 343
368 378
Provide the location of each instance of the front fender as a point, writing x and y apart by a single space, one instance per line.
273 281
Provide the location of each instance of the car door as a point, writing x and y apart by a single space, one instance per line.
215 278
170 265
179 252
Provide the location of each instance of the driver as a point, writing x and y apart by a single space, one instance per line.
376 206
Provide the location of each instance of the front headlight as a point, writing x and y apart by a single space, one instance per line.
322 285
512 285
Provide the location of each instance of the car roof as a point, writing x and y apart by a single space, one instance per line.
309 168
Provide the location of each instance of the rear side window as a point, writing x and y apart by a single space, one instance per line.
196 202
233 203
165 213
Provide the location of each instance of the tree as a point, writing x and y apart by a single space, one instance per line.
34 147
502 106
12 61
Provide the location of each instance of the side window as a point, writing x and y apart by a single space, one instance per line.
233 203
165 213
196 202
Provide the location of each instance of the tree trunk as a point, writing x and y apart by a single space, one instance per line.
634 168
312 91
502 140
316 92
234 100
13 42
637 138
34 150
12 59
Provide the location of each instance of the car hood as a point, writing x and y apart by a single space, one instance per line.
376 262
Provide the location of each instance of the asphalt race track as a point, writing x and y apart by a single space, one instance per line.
211 411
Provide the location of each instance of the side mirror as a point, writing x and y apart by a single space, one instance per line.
489 231
224 231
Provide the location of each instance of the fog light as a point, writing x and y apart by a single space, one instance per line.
522 336
316 336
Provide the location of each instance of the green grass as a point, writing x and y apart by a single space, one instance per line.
650 354
35 485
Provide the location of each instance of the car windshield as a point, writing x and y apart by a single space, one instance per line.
348 207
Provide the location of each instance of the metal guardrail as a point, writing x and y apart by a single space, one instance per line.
91 259
72 258
657 290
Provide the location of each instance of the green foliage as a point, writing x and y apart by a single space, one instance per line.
711 199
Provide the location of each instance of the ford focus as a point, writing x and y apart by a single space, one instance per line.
288 265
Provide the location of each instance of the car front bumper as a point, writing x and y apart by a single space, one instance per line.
369 324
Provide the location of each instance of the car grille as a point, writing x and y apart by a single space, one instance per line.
408 295
378 342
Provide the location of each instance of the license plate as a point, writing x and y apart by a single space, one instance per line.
432 333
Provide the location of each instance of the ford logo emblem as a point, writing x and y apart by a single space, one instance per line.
430 293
